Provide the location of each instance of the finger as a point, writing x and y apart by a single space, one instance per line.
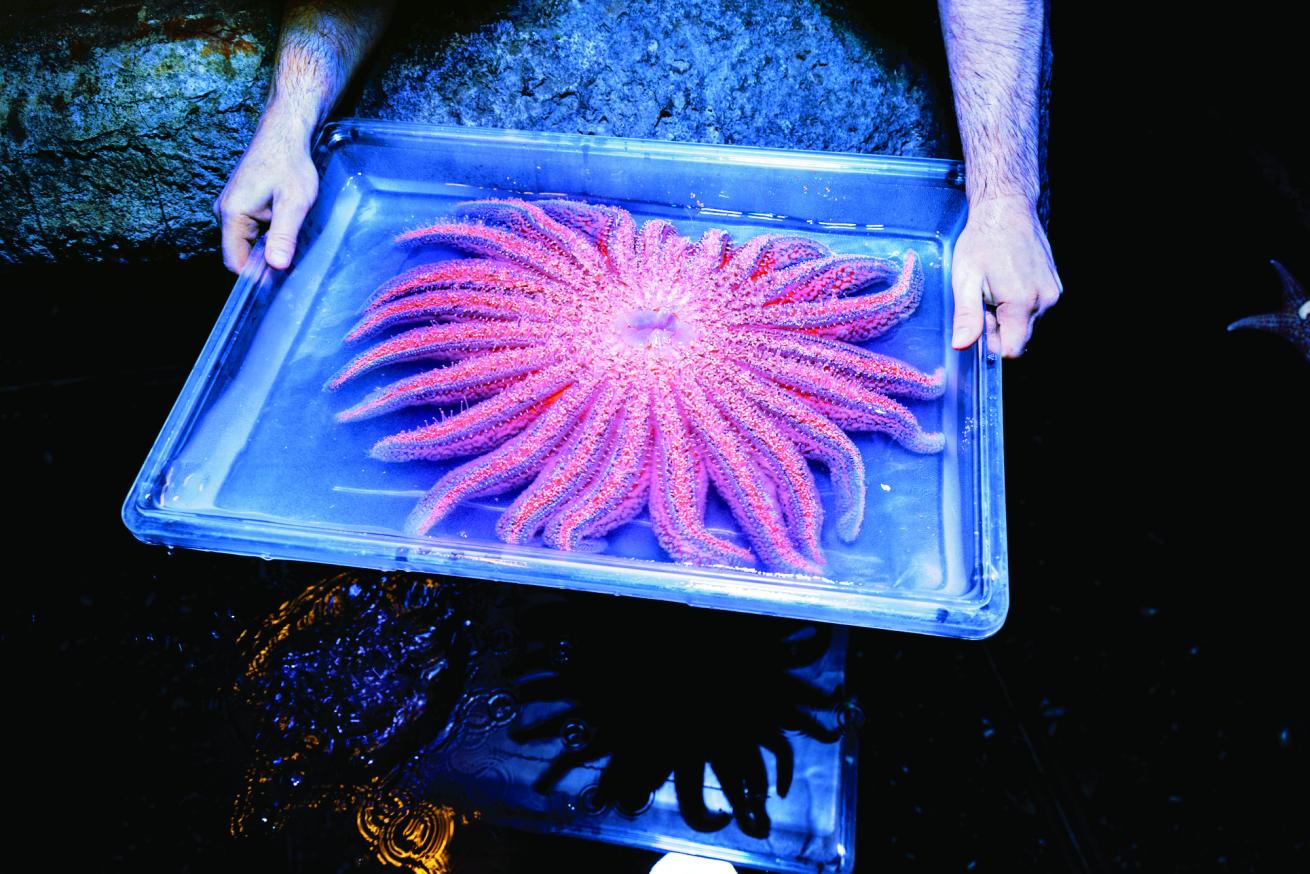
1050 292
1015 322
968 324
993 334
239 233
289 212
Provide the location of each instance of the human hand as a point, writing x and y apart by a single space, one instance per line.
1004 276
273 186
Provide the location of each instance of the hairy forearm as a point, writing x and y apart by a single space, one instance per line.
321 45
993 48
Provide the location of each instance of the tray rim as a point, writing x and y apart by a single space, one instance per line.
971 619
946 171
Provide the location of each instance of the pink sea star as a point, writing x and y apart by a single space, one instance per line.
618 368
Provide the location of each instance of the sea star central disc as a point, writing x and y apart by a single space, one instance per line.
613 369
654 329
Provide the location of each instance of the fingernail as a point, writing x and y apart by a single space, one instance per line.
959 336
279 257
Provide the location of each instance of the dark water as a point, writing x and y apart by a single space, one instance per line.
1139 711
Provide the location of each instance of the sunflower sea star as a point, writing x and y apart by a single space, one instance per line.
618 368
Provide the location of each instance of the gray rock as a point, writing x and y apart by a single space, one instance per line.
122 121
787 74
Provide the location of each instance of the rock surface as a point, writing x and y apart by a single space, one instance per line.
122 124
122 121
787 74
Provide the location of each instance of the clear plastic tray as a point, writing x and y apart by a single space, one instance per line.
252 460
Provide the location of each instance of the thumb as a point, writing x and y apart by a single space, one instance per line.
289 213
968 325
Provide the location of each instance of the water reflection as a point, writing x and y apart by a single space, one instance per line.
664 691
340 685
410 705
406 832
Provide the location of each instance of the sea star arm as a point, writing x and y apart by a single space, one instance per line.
528 221
609 496
710 253
630 507
612 230
676 509
793 483
767 255
449 341
448 303
472 273
467 380
568 473
661 250
510 466
867 410
735 476
854 318
823 279
1293 323
809 358
486 420
819 437
491 242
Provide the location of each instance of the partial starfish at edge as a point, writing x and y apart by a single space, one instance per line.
1293 323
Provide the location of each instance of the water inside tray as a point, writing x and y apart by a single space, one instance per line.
291 459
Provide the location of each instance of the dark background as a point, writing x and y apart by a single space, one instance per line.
1140 710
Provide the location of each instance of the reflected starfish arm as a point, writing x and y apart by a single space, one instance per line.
546 728
809 725
545 687
745 782
689 782
565 762
784 760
